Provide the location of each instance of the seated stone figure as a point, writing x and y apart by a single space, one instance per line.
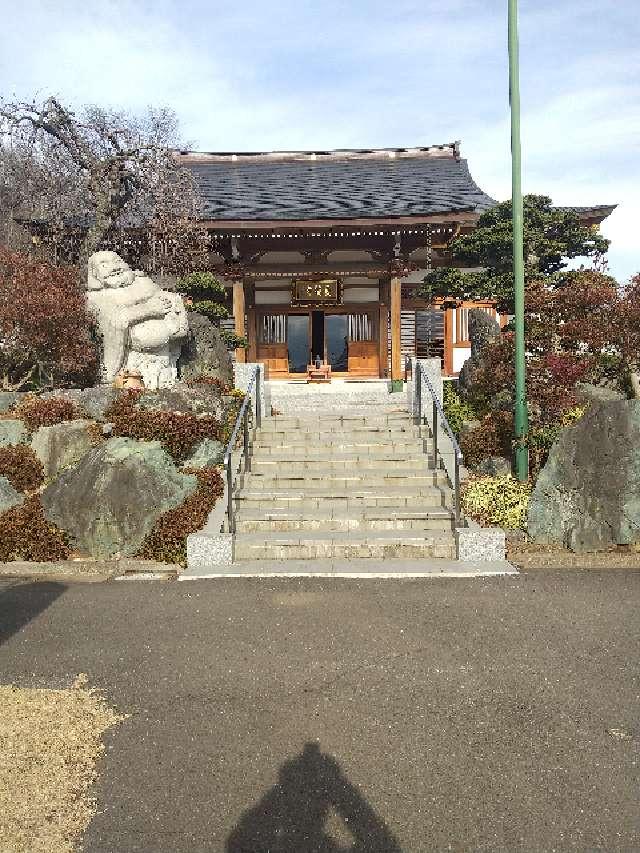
142 326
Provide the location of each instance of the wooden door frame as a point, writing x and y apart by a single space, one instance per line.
372 310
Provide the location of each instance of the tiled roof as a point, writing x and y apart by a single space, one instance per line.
349 184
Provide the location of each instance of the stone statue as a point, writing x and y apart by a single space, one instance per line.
142 326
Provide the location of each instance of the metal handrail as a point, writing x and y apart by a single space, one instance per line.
438 413
243 417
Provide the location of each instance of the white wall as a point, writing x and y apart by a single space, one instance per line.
460 355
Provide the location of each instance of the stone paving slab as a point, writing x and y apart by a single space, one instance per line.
366 568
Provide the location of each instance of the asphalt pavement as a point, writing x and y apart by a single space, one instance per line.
351 715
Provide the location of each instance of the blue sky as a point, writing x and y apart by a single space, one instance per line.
291 74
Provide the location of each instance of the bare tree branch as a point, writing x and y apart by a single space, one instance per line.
90 180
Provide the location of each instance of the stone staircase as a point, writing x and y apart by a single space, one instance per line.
351 486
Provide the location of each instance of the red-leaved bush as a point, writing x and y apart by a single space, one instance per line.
26 534
167 541
39 412
584 328
22 468
47 333
178 432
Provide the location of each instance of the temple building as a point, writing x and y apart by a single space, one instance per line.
324 251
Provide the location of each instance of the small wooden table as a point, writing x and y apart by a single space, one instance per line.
319 374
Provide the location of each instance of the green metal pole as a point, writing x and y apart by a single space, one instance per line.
520 412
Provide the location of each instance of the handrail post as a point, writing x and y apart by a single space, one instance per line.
243 416
435 434
232 523
456 487
258 398
419 391
245 431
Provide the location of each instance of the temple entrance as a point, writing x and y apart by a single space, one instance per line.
337 342
317 335
289 341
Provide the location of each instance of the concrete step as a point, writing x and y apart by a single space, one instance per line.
345 501
326 416
342 427
301 426
334 545
372 451
279 520
305 443
341 480
326 422
293 466
336 432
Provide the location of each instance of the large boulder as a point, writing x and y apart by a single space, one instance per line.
8 399
494 466
61 445
204 352
91 402
110 501
588 393
8 495
13 431
587 496
199 400
482 330
208 452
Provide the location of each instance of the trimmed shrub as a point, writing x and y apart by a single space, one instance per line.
497 501
22 468
38 412
25 534
493 437
179 433
455 409
167 542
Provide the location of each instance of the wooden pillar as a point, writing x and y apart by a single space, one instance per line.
383 329
252 335
238 316
396 357
449 340
383 342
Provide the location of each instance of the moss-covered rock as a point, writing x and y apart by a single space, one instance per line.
9 496
587 496
61 445
12 431
208 453
110 501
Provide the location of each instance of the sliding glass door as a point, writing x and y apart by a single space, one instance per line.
298 342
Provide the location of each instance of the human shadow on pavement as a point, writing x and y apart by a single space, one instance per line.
293 816
22 602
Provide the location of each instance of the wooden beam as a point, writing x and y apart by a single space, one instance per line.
238 316
465 215
396 358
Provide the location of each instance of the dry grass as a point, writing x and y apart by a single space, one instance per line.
49 743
